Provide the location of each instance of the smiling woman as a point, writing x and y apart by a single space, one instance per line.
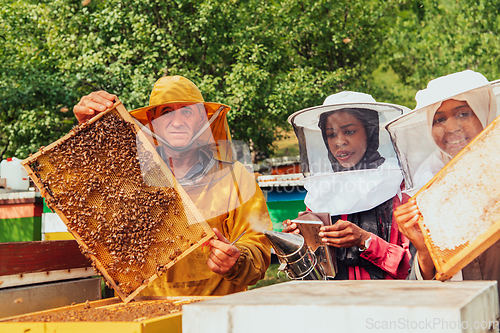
454 125
450 113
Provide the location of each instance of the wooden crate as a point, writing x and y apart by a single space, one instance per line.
460 205
171 323
120 201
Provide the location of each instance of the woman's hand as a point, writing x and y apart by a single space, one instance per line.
407 216
291 227
92 104
344 234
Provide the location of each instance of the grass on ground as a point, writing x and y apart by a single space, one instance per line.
271 277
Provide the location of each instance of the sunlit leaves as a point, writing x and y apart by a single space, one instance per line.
434 38
266 59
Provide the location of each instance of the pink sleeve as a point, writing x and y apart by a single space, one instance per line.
393 257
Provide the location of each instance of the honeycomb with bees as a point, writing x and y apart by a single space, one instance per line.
119 199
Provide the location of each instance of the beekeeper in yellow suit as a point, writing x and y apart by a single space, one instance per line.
192 137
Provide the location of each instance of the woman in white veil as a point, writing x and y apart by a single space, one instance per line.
452 110
352 174
474 110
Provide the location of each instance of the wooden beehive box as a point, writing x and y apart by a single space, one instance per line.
460 205
119 199
143 315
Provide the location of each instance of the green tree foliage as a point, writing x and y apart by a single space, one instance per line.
433 38
31 88
266 59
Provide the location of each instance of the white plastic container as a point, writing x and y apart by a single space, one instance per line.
16 176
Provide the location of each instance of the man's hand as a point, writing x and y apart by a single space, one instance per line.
343 234
223 256
92 104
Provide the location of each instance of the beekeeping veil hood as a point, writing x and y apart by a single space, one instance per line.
182 126
330 186
411 134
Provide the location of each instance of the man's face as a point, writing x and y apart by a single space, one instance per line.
178 123
454 126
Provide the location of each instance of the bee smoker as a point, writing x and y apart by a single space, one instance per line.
297 260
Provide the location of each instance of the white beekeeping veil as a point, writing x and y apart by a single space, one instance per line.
419 154
331 185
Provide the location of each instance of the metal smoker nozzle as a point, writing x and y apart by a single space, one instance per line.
298 262
285 244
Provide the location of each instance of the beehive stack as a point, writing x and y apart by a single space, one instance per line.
120 201
460 206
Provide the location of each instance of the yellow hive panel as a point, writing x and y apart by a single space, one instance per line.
119 200
460 206
145 315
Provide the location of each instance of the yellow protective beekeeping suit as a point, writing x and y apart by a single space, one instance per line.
227 195
191 275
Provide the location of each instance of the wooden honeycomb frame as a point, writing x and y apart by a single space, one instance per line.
171 323
448 262
133 224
